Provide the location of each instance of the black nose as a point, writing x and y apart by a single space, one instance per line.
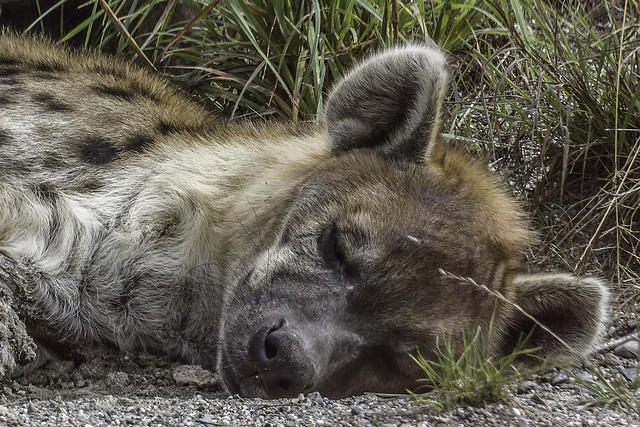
278 352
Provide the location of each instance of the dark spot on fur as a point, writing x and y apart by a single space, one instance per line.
4 60
45 191
129 284
6 101
10 81
49 67
8 95
138 143
98 151
87 290
50 103
90 186
46 76
168 226
165 128
108 70
53 161
4 135
114 91
9 71
144 91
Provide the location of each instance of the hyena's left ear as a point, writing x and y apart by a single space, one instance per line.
390 102
575 309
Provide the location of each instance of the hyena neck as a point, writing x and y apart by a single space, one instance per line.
171 232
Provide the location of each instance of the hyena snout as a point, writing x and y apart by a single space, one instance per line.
283 358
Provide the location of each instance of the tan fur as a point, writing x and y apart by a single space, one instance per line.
288 259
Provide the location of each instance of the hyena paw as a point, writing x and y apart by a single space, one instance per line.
16 346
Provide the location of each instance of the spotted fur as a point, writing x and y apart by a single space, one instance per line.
287 259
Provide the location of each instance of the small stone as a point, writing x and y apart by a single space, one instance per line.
611 359
206 419
549 374
194 375
526 387
117 379
627 350
584 375
523 422
356 410
629 373
559 379
316 398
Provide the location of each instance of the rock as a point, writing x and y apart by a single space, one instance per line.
559 379
629 373
31 408
584 375
356 410
523 422
526 387
316 398
627 350
117 379
194 375
206 419
611 359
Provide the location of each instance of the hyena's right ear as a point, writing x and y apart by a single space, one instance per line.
391 102
575 309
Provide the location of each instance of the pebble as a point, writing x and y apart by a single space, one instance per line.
316 398
585 375
629 373
628 350
559 379
117 379
611 359
356 410
523 422
194 375
535 404
206 419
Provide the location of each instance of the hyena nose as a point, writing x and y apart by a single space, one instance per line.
279 354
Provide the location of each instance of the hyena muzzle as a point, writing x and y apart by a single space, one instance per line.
285 258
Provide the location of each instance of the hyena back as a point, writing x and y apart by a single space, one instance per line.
287 259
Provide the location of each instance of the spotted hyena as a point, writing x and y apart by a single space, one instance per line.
285 258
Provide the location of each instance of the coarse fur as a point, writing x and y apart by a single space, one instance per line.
285 258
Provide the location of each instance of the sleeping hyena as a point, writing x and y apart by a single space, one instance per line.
287 259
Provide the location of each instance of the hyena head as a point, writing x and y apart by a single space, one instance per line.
393 243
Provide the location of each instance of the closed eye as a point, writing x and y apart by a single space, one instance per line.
337 248
330 249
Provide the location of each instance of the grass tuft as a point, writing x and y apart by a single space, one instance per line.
473 377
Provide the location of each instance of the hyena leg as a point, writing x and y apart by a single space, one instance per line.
16 346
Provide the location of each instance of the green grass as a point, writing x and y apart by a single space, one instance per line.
473 376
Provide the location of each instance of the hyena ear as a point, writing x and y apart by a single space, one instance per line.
390 102
575 309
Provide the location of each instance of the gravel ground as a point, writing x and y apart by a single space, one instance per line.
148 391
